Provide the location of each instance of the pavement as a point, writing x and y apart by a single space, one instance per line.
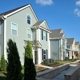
61 75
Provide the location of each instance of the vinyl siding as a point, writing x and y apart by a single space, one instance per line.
20 18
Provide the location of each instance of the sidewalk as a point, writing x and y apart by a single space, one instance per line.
40 65
61 75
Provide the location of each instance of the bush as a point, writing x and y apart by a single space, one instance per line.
13 65
29 68
3 63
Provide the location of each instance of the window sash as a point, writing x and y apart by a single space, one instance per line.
14 29
28 33
44 35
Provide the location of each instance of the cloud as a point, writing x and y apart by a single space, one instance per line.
78 3
77 12
44 2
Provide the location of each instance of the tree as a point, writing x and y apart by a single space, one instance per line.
35 46
3 63
29 68
13 64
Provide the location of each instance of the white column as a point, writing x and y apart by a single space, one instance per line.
49 52
5 53
61 50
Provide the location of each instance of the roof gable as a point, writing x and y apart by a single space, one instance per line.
57 33
10 12
70 41
42 25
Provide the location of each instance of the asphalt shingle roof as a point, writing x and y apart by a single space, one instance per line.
38 23
70 40
7 12
56 33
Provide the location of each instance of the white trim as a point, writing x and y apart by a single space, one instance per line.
30 34
5 53
0 27
20 10
45 29
44 22
16 29
30 17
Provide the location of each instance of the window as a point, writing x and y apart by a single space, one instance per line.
28 33
28 19
44 35
14 29
44 54
0 27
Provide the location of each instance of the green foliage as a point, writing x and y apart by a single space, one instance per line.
28 50
13 65
3 63
29 68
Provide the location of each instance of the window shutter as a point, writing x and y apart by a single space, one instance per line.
42 34
42 54
46 36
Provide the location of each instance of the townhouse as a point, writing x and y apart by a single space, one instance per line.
21 24
58 44
73 48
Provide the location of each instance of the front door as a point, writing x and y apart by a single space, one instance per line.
36 57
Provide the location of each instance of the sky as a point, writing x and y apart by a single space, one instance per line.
58 14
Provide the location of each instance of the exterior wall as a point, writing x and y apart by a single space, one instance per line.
20 18
44 43
54 47
2 39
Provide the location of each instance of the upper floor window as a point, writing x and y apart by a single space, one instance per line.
28 19
0 27
14 29
44 35
28 33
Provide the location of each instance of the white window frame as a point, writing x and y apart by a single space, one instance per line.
0 27
28 33
44 36
15 29
30 17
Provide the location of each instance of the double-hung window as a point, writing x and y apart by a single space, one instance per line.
0 27
28 19
14 29
44 35
28 33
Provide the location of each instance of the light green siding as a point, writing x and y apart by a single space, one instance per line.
20 18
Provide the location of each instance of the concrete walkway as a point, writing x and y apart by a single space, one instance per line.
40 65
61 75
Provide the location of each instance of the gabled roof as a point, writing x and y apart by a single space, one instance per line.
56 33
38 23
77 43
70 41
10 12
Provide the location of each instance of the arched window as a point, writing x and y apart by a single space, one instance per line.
28 19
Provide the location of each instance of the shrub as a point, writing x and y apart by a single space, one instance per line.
3 63
13 65
29 68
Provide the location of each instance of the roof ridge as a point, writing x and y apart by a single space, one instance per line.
9 11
